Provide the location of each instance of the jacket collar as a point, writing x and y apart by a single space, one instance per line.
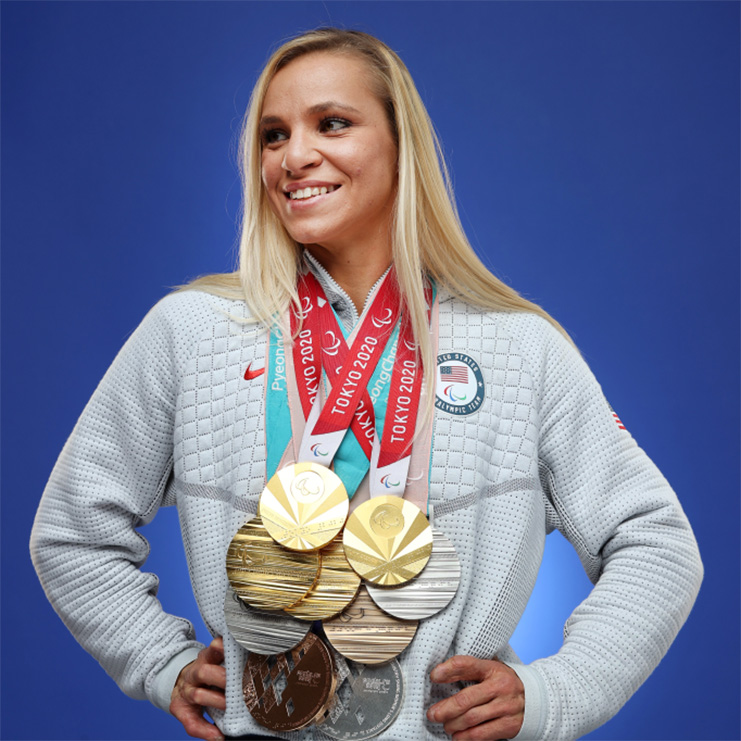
336 295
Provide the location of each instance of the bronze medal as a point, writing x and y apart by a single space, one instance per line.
388 540
366 634
288 691
266 575
304 506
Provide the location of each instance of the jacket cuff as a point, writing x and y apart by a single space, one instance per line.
533 724
160 691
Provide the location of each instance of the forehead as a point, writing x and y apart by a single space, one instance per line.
321 77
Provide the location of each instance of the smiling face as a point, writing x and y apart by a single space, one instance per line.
328 154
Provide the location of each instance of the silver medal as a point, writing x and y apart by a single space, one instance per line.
259 631
367 700
427 593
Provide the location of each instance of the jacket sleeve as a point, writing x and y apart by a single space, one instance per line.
634 541
110 479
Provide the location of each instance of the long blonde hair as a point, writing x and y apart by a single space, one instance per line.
427 236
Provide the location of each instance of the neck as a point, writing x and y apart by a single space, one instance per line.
355 273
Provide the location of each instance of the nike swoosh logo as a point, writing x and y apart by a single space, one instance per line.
250 374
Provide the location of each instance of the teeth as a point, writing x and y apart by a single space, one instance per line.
302 193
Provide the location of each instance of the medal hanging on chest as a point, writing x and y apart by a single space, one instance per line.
313 566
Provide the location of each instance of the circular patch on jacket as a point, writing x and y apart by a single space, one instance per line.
459 385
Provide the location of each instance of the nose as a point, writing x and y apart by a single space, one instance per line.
300 153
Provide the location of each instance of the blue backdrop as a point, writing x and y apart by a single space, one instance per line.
595 153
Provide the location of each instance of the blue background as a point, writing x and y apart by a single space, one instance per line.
595 152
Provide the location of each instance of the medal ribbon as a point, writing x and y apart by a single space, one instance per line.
392 450
321 344
349 371
307 349
325 337
326 427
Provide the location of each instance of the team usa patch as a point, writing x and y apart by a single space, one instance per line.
459 385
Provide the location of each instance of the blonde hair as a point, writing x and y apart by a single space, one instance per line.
427 236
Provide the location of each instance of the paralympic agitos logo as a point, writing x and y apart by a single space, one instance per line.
459 384
333 347
386 319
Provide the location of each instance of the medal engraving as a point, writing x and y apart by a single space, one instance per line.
304 506
427 593
367 701
264 574
335 588
259 631
365 633
387 521
307 487
388 540
287 692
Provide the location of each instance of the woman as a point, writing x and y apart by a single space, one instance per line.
343 180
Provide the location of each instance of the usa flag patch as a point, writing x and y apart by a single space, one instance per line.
454 373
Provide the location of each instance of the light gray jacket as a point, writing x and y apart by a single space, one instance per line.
175 422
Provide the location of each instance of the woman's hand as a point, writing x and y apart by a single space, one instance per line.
490 710
201 683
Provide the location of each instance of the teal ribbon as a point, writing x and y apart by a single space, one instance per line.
350 463
277 411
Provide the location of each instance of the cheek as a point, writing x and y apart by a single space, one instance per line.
380 166
270 165
269 182
268 172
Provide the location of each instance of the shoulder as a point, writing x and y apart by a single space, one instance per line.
189 306
524 333
176 325
192 313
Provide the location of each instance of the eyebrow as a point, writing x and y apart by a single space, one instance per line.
328 105
332 104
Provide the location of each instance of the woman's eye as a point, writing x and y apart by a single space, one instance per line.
334 124
273 136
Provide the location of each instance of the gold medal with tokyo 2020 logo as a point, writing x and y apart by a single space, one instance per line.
428 593
304 506
387 540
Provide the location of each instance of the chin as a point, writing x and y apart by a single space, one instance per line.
309 237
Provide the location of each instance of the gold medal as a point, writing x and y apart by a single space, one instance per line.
387 540
264 574
365 633
335 588
304 506
428 593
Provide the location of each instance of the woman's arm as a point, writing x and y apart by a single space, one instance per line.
624 520
633 539
110 479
